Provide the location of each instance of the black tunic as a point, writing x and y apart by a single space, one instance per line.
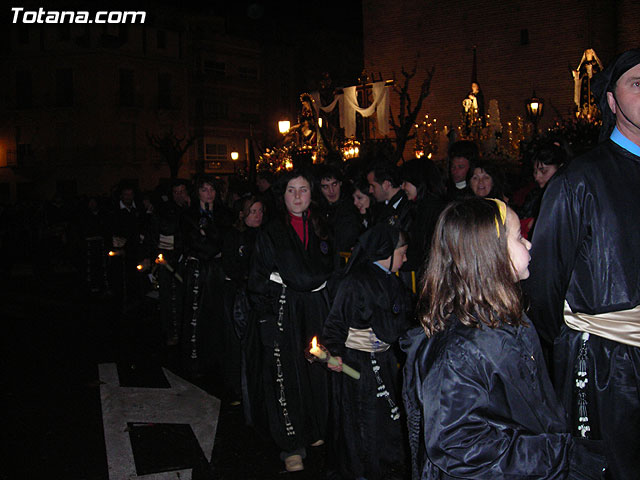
586 249
368 436
297 405
481 405
202 344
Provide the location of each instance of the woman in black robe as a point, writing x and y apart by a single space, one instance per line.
289 269
201 343
366 319
237 249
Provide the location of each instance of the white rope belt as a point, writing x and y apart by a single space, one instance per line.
275 277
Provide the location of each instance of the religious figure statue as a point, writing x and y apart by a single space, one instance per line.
583 98
473 110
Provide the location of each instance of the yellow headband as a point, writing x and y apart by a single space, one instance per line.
503 213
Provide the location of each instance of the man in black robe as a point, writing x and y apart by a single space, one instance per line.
392 205
336 205
584 284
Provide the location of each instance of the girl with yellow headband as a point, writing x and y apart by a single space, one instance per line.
478 397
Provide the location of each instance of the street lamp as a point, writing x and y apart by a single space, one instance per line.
534 110
284 126
234 157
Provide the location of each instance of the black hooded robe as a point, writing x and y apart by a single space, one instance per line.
368 436
296 391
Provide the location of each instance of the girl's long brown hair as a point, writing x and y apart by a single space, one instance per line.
469 274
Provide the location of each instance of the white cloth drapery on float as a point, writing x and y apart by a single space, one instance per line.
348 106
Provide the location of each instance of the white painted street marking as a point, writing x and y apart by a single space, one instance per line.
183 403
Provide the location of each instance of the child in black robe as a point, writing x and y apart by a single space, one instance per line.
478 397
366 319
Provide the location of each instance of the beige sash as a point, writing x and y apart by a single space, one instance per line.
622 326
365 340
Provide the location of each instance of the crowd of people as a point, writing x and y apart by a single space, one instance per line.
414 278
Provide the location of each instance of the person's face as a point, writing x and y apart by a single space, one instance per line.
626 104
475 88
481 182
180 195
399 257
127 197
376 189
262 184
542 173
410 189
330 188
361 200
297 196
459 169
206 193
254 217
518 246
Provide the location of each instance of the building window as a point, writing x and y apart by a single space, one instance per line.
127 89
248 73
64 87
161 38
215 69
164 90
215 152
23 89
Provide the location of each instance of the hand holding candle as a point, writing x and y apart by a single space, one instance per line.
318 352
161 261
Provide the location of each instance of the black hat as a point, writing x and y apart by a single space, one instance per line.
606 80
375 244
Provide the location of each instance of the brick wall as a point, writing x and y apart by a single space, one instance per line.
442 33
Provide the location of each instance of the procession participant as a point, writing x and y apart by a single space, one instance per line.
479 400
171 245
201 343
290 265
462 156
367 317
584 288
237 249
392 205
338 210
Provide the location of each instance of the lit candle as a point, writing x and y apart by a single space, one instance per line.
323 355
161 261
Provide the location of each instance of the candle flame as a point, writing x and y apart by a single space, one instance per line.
139 267
314 342
112 253
160 258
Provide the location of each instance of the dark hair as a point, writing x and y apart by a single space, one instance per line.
280 187
425 176
206 179
550 152
464 148
385 170
243 205
326 172
266 175
469 274
498 189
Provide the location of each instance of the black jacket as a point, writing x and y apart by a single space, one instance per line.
586 246
480 405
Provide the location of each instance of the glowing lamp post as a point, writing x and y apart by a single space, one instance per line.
234 157
284 126
534 110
